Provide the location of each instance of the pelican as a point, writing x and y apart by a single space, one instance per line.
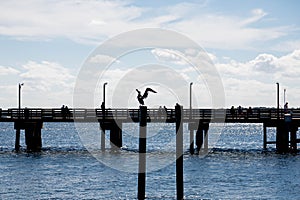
145 95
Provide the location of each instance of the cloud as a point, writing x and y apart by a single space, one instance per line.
257 14
286 46
47 84
228 32
48 19
103 59
8 71
264 62
69 19
46 74
253 82
169 55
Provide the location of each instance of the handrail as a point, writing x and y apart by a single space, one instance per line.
153 114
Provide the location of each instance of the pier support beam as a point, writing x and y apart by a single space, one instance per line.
282 138
191 141
142 153
199 137
102 138
116 135
206 138
33 135
202 136
265 137
17 142
293 137
179 151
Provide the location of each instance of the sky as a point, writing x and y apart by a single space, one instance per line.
252 43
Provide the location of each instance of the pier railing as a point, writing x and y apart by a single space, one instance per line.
156 115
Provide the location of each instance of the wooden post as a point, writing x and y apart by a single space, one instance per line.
191 141
294 138
103 139
265 136
33 136
115 135
282 138
142 153
199 136
179 151
17 142
206 138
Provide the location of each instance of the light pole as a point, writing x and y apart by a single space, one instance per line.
18 131
103 117
284 91
191 99
104 94
277 100
20 86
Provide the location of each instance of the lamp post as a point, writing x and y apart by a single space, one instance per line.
191 100
277 101
104 94
103 117
18 131
20 86
284 91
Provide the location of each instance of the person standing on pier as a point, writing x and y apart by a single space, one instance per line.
103 109
286 107
240 111
63 111
232 112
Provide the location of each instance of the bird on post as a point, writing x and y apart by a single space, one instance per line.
144 96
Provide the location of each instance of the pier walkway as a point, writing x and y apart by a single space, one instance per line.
256 115
31 120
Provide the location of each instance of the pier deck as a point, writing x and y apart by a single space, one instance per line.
258 115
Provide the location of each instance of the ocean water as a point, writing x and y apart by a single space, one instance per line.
236 168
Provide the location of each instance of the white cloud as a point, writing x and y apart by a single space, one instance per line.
103 59
46 84
257 14
227 32
92 21
46 74
286 46
7 71
169 55
78 20
253 82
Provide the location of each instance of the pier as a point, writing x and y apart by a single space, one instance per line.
31 120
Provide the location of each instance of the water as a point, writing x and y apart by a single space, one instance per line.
237 168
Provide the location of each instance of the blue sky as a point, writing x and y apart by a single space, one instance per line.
254 44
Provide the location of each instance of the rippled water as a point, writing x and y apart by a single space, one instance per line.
237 167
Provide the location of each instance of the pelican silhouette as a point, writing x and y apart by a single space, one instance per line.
145 95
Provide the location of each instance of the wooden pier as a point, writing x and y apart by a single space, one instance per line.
31 120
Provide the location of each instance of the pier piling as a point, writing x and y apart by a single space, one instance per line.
191 141
293 137
206 138
17 142
102 139
179 152
142 153
116 135
282 138
265 136
33 134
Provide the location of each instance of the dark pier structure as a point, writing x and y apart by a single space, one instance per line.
31 120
